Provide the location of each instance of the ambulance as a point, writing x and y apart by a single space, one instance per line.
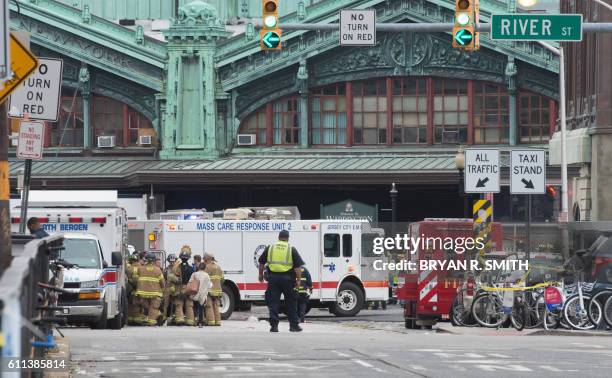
95 231
338 255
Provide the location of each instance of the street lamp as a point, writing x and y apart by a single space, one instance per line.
460 164
393 194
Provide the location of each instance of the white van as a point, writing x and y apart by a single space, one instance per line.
88 219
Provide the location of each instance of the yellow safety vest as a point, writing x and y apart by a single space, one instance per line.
280 259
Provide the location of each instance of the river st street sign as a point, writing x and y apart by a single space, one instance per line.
536 27
528 172
482 171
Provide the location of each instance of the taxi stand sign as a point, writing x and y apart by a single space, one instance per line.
528 172
482 171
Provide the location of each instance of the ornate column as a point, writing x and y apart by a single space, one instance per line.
85 85
511 72
302 77
190 127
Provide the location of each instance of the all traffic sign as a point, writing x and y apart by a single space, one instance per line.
481 171
536 27
22 64
39 95
528 172
358 27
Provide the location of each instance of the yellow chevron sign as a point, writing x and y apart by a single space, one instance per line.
22 65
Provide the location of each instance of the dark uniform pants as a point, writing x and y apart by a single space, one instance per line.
302 304
281 283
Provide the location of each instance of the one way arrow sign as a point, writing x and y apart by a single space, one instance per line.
528 172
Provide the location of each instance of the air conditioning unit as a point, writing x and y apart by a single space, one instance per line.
450 137
247 139
106 141
144 140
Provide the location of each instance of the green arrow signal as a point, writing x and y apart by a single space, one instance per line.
271 40
463 37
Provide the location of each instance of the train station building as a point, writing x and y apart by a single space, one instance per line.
176 98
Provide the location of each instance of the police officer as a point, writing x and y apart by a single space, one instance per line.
183 305
149 289
133 304
170 288
213 302
283 263
303 293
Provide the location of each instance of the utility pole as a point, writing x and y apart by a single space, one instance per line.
5 218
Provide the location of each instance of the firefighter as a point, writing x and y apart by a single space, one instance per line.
183 305
133 304
283 263
170 289
213 302
303 292
149 289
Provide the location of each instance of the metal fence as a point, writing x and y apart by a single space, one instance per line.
19 294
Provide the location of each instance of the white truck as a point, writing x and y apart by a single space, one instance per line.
338 255
95 232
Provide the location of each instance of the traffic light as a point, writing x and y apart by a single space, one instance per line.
465 36
270 34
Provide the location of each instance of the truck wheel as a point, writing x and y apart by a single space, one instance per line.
118 320
101 323
350 300
227 302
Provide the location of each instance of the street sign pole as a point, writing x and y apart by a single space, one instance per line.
25 196
5 49
528 229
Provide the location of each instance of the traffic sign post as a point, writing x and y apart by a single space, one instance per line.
482 171
528 172
358 27
39 95
536 27
22 64
30 146
5 47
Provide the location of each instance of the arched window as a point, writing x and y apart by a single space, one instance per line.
277 123
255 123
450 111
329 115
536 118
108 118
491 119
370 111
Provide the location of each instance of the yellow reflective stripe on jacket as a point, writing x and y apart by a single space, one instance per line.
216 277
142 293
149 279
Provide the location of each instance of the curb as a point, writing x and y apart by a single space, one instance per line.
569 332
61 352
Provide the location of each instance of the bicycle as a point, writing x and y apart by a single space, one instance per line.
578 304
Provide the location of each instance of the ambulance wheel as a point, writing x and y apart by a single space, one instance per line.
117 321
228 302
101 323
350 300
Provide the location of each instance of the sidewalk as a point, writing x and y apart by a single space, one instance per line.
61 352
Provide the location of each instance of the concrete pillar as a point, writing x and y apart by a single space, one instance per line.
302 76
85 87
511 71
87 131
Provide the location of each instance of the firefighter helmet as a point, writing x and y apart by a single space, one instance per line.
150 256
171 258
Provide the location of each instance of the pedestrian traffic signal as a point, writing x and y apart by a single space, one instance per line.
270 36
465 36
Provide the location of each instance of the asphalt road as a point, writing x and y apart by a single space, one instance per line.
342 348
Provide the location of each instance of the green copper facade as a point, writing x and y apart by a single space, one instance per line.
198 85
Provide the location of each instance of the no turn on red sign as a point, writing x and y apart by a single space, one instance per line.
31 138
